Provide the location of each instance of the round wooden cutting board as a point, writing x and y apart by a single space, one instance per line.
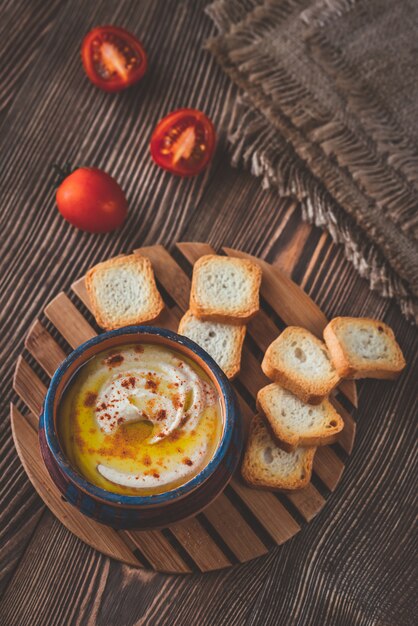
242 523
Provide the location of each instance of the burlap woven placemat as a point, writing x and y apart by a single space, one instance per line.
329 114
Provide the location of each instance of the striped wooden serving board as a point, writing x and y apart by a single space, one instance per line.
242 523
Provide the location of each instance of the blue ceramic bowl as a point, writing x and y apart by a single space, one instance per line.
127 511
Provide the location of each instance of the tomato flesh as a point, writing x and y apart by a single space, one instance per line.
113 58
183 142
92 200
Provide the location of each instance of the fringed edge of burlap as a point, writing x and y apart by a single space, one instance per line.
279 166
224 13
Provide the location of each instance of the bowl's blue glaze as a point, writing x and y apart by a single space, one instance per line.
126 511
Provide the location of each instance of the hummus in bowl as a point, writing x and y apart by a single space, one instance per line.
140 420
140 428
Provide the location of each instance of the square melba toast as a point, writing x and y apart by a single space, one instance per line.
123 292
295 423
222 341
300 362
267 465
225 289
361 347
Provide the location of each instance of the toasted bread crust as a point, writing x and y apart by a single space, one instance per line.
339 359
217 314
255 479
290 441
239 320
349 366
295 386
233 370
133 260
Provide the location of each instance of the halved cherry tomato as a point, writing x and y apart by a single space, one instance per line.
183 142
113 58
92 200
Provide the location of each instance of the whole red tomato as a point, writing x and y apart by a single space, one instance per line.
92 200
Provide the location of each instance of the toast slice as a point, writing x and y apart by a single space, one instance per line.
295 423
123 292
266 465
300 362
363 348
222 341
225 289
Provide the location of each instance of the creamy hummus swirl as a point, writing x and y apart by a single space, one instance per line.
170 396
171 473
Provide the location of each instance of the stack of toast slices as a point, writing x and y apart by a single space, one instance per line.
295 415
224 297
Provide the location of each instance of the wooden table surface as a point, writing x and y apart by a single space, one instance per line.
354 564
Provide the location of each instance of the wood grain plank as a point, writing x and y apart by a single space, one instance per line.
347 436
308 501
263 330
169 274
292 251
68 320
274 517
251 375
328 467
234 530
29 387
158 551
199 545
79 288
101 537
44 348
20 512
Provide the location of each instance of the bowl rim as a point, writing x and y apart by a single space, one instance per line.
53 443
